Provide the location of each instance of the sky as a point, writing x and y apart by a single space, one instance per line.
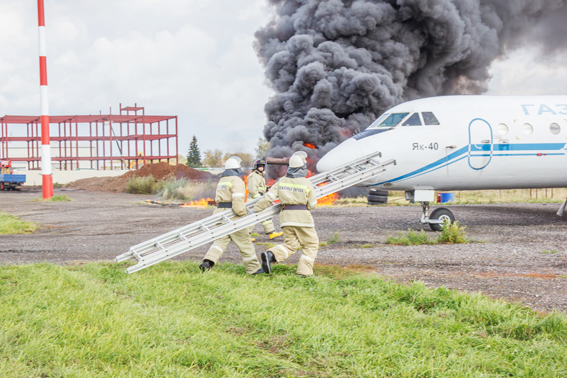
190 58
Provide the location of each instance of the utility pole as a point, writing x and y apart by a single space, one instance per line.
47 179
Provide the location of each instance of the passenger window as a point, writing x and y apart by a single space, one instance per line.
430 119
554 128
502 129
393 119
413 120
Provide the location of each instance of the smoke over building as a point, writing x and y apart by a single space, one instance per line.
336 65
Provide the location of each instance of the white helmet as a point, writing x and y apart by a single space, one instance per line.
233 162
298 159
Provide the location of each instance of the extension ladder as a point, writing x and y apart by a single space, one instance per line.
216 226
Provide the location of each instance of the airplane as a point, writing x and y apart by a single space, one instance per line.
463 143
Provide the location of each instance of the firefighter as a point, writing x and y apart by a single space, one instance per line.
256 185
230 195
297 196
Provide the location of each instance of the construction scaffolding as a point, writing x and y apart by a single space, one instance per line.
106 141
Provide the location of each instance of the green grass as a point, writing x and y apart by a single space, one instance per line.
172 321
59 198
255 235
451 233
552 252
366 246
334 239
409 238
10 224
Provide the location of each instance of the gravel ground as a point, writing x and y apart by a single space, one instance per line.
508 260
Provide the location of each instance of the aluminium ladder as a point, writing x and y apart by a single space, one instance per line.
196 234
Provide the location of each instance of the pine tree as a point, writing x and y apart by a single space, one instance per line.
194 154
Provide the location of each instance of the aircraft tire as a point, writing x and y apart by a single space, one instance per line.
377 198
440 213
378 192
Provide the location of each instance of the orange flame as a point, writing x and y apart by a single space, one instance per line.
246 187
328 200
203 202
310 145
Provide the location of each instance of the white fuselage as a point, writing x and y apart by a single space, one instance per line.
470 143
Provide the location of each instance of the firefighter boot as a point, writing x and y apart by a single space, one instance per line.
267 260
206 265
274 235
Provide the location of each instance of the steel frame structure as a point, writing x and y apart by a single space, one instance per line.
136 133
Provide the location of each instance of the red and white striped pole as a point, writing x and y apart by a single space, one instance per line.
47 179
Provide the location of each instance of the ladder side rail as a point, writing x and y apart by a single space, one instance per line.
322 177
249 220
225 230
198 228
211 220
187 230
352 180
243 223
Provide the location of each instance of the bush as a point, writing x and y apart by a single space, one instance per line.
185 190
141 185
452 233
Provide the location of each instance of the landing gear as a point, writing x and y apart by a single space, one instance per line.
437 217
441 214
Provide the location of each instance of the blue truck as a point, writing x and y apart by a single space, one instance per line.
8 180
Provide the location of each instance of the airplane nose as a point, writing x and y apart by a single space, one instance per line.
347 151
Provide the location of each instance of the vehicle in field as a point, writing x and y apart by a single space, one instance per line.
8 180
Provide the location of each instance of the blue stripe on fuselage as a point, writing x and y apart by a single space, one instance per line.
518 147
496 147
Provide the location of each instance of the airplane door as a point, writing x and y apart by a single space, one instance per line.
480 144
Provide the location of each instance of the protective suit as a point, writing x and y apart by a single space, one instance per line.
256 185
297 197
230 195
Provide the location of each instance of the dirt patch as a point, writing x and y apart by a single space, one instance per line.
160 171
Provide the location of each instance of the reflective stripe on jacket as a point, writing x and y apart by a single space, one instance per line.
291 191
256 185
231 189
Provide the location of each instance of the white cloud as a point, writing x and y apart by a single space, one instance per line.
191 58
526 72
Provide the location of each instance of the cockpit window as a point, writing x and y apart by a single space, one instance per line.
378 121
430 119
393 120
413 120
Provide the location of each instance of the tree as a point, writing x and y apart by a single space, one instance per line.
194 155
247 159
262 148
213 158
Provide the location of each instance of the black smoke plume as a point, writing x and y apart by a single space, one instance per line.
336 65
